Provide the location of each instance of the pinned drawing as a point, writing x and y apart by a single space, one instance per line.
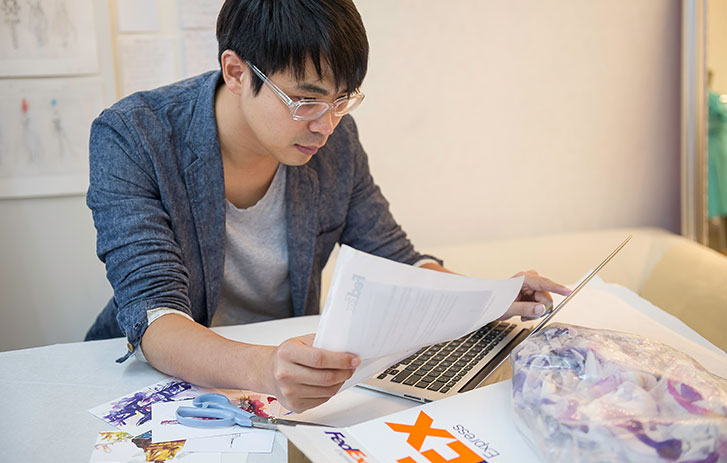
45 125
47 37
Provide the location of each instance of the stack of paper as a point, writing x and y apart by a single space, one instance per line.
384 311
148 429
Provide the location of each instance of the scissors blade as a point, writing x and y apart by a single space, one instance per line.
272 423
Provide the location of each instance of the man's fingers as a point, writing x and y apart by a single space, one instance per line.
535 282
544 298
298 350
525 309
305 376
294 373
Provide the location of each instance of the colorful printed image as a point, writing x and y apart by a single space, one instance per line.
260 404
121 446
132 413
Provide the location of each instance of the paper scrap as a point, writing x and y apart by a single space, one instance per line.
132 413
253 441
199 14
383 310
165 426
146 62
138 15
122 447
199 52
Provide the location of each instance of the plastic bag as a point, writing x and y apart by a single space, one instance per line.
581 394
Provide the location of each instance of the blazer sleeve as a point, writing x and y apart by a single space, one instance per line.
370 226
135 239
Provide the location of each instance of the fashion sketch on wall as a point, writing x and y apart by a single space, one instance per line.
44 130
47 37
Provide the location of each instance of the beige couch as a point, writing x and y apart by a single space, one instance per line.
680 276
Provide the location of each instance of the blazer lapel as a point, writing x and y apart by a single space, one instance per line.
206 187
205 182
301 196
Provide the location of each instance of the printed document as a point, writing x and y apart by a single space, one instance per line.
383 311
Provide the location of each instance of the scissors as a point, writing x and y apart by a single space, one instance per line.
215 410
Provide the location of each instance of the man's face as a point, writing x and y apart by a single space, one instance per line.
291 142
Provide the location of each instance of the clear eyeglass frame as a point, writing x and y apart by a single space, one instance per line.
308 110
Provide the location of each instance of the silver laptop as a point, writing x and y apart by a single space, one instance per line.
448 368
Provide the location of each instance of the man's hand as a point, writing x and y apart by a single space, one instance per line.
534 298
303 377
300 375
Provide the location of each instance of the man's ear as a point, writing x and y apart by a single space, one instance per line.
234 71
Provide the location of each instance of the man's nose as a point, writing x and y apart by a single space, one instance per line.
325 124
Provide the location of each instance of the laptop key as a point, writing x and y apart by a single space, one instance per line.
382 376
401 376
412 380
436 386
421 385
445 389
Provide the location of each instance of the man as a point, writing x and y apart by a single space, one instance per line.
218 200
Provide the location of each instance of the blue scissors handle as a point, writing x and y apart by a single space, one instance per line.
215 410
211 411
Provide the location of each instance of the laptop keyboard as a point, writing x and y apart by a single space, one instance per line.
440 366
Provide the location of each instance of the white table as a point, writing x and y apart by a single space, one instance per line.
47 391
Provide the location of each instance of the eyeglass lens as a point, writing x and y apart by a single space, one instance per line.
315 109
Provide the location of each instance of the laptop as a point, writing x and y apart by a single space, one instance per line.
460 365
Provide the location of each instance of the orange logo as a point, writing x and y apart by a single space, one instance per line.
423 428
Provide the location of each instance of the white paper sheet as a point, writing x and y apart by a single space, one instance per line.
199 14
138 15
237 439
254 441
199 52
49 37
165 427
44 129
383 311
146 62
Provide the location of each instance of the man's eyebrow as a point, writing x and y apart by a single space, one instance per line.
312 88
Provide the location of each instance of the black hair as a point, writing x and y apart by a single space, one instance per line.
281 35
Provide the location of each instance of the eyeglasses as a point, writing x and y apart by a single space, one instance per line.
308 110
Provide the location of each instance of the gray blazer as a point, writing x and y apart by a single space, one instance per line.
157 195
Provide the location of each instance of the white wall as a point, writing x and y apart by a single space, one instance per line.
483 119
501 119
52 285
